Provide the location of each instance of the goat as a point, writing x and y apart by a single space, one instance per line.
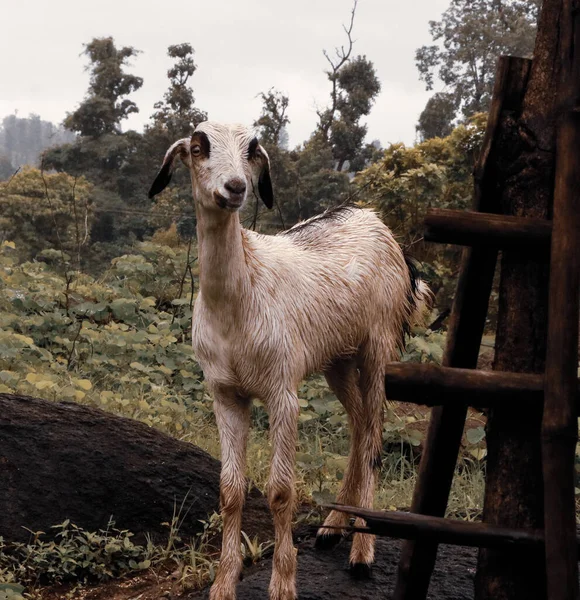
334 293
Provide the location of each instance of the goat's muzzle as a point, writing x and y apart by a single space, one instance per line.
231 201
235 185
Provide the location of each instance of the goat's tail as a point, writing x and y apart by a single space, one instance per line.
420 297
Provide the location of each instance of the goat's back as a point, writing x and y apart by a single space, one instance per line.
324 287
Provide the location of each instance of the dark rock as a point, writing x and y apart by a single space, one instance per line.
66 461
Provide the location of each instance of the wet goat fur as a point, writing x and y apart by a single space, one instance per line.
332 294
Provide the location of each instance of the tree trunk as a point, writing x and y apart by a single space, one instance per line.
525 168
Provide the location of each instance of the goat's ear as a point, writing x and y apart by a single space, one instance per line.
265 190
179 149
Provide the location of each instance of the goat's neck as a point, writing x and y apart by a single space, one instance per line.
221 258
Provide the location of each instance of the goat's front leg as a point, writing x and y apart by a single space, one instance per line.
233 417
281 492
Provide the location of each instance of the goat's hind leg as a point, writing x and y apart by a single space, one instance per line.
372 384
233 418
342 377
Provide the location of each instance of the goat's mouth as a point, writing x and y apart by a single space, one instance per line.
232 203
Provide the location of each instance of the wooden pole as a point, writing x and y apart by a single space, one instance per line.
514 495
469 228
463 341
444 531
431 385
560 423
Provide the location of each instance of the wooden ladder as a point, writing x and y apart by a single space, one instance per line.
456 385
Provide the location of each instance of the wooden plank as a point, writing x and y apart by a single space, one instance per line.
560 424
411 526
463 340
432 385
469 228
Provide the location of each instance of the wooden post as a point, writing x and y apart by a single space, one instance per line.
432 385
463 341
560 425
445 531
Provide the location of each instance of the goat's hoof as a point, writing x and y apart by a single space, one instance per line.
361 571
327 541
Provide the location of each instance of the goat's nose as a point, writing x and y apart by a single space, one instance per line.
235 185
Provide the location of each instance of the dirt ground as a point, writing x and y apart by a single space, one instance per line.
322 575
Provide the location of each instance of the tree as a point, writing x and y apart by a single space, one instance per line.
41 211
176 112
304 179
6 168
409 180
470 37
273 120
271 125
354 88
105 105
437 117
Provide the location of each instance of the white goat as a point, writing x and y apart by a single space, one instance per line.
333 293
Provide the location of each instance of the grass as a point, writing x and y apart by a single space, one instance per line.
321 459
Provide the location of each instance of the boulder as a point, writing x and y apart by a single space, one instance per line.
67 461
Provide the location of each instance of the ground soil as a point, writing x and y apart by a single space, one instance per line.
322 575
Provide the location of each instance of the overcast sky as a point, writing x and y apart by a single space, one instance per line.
242 47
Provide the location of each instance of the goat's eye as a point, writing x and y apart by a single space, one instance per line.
196 150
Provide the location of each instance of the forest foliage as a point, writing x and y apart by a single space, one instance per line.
97 283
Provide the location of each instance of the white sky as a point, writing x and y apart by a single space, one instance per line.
242 47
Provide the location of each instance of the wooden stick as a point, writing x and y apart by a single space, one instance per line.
431 385
560 424
469 228
411 526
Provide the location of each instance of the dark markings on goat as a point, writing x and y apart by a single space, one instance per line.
252 148
161 181
199 137
337 213
377 461
412 295
265 187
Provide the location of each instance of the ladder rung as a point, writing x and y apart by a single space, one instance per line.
432 385
411 526
470 228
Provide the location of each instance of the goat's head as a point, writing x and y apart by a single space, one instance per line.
225 161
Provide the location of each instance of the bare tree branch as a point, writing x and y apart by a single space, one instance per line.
342 56
13 176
